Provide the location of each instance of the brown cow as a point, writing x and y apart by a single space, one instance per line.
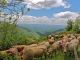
5 52
78 38
51 41
11 52
34 52
18 47
54 48
45 44
69 47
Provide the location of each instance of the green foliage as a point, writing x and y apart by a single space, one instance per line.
43 38
8 57
28 9
22 39
8 33
64 32
78 20
75 27
69 25
11 34
3 2
22 10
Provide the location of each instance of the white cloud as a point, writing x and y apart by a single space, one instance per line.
38 4
66 15
36 1
58 18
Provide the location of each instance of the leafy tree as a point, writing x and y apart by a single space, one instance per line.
8 21
76 25
69 25
75 28
78 21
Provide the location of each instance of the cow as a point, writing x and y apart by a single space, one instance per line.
34 52
69 46
54 48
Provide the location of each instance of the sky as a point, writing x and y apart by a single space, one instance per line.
50 11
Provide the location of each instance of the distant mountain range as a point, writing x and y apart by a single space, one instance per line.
40 29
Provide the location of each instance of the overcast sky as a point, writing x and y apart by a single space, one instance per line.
50 11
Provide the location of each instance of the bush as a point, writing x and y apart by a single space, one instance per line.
8 57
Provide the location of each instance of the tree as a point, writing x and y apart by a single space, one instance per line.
10 12
78 21
76 25
69 25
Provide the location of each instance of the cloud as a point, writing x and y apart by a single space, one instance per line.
66 15
39 4
58 18
34 20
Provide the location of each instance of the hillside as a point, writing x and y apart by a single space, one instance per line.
42 29
28 32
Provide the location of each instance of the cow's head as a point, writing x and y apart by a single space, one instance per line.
64 45
64 49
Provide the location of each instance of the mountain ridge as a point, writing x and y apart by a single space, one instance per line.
42 29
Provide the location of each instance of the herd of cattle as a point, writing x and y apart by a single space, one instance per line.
66 43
